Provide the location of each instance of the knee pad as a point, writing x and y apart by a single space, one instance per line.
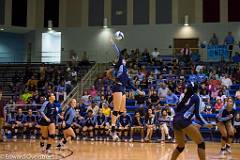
180 149
231 136
201 145
43 138
224 138
115 113
52 136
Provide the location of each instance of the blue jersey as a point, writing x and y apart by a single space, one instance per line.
193 108
100 119
69 116
20 118
50 111
89 121
223 115
30 119
121 72
124 120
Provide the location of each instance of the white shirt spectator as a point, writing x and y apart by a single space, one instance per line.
199 68
162 92
237 95
226 82
155 54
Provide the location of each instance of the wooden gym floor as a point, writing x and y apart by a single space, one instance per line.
99 150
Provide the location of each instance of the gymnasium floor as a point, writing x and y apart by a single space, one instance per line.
98 150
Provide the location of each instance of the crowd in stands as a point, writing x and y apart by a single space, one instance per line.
164 84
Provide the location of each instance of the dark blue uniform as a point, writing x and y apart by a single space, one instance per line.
184 115
30 119
124 120
223 115
121 75
100 119
50 111
20 118
89 121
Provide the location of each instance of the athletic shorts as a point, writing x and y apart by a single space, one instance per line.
118 88
179 122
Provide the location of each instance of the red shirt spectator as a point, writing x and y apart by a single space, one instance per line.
218 104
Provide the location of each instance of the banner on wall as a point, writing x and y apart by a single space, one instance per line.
217 52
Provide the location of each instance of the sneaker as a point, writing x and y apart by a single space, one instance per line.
115 137
223 151
100 139
142 140
169 137
174 141
107 138
130 140
24 136
14 137
78 138
92 139
229 149
125 140
96 138
146 139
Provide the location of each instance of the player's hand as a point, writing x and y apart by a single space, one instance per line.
47 119
64 124
209 126
230 116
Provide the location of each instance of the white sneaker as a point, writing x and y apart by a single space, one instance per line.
169 137
92 139
142 140
125 140
78 138
130 140
24 136
14 137
229 149
222 152
101 139
115 137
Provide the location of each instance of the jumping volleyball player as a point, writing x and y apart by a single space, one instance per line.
225 119
68 132
182 123
48 113
121 80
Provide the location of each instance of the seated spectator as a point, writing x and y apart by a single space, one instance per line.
186 54
150 124
219 104
93 92
236 124
208 109
154 55
100 125
226 81
89 125
163 91
164 121
17 127
153 100
86 100
94 107
151 91
106 109
237 95
30 123
61 91
171 98
137 126
124 123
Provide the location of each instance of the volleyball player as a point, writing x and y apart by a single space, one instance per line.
47 122
182 123
121 80
225 119
68 132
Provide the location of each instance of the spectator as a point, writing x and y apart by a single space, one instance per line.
124 122
61 92
150 124
163 90
100 125
219 104
214 40
155 55
164 121
17 127
186 54
89 125
226 81
229 41
153 100
236 124
30 124
237 95
171 98
93 92
137 126
2 115
106 110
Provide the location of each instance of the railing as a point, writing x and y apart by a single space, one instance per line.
86 82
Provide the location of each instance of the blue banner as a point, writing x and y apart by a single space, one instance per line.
217 52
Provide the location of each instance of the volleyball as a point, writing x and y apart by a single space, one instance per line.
119 35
